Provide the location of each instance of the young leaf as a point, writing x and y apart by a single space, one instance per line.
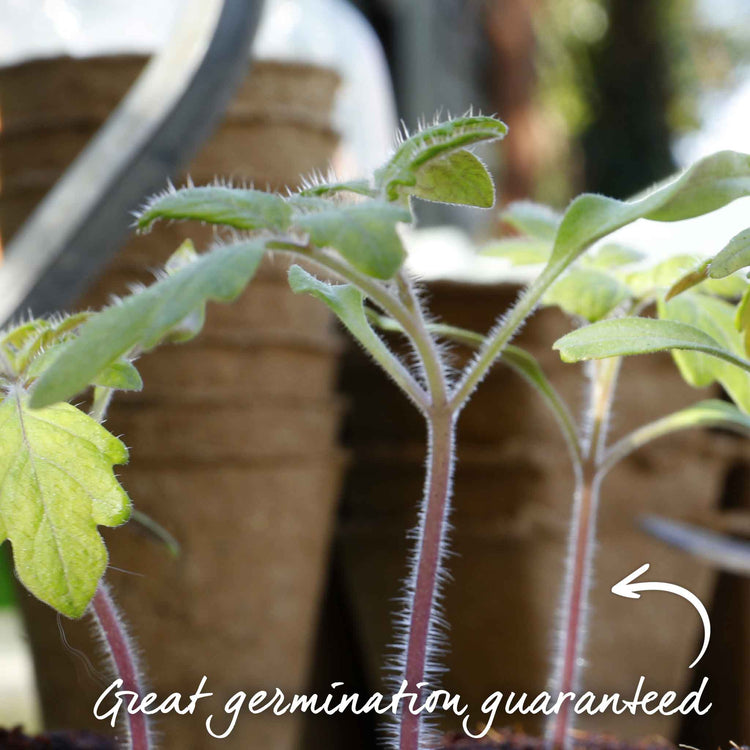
612 255
460 178
233 207
653 278
146 317
532 219
399 177
120 376
711 413
586 292
519 251
709 184
347 302
735 256
677 274
365 234
626 336
716 318
58 486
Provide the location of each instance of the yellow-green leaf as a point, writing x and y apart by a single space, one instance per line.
57 485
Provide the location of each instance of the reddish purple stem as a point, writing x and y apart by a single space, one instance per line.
430 551
125 662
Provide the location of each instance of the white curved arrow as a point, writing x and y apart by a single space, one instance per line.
630 590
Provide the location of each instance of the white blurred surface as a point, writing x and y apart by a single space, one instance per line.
17 691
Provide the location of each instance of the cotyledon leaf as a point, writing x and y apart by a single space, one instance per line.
710 413
57 485
347 302
146 317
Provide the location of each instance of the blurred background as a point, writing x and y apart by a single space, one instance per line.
607 96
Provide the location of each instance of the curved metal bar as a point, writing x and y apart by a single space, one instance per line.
158 126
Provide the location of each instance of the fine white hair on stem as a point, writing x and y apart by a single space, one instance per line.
436 646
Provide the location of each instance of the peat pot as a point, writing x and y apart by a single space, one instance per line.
234 439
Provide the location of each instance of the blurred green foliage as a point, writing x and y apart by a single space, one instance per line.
620 79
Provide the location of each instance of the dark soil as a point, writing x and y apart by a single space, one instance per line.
507 739
15 739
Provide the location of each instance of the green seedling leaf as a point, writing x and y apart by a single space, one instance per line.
735 256
146 317
120 376
58 486
730 287
460 178
709 184
365 234
185 255
519 251
25 345
711 413
676 275
400 176
716 318
347 302
586 292
627 336
532 219
661 276
239 208
613 255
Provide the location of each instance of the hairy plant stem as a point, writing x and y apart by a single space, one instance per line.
381 296
111 628
500 336
426 571
572 635
112 631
